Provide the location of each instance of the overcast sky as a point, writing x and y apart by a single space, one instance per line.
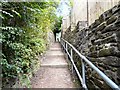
63 8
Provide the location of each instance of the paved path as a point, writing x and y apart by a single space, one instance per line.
53 72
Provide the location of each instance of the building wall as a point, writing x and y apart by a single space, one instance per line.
65 23
86 11
80 10
97 7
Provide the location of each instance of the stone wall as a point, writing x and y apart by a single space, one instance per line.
100 43
50 38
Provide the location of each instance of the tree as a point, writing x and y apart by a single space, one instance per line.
24 36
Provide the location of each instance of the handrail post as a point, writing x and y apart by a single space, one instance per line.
71 52
66 47
83 75
61 43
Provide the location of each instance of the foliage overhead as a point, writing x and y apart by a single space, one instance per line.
57 25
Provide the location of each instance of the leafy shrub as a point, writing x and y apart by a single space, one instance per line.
24 36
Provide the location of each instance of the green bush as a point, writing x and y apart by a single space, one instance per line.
24 36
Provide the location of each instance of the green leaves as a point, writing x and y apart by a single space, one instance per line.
25 26
16 13
7 13
57 25
8 28
1 16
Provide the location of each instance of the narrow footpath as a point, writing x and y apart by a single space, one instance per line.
53 72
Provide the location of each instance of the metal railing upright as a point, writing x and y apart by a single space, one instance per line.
84 61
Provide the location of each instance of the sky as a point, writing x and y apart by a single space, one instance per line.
63 8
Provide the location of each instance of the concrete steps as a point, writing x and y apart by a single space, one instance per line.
54 71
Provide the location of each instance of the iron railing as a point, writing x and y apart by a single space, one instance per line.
84 61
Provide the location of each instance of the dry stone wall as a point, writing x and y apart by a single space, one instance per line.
100 43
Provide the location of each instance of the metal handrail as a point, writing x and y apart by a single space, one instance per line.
84 60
